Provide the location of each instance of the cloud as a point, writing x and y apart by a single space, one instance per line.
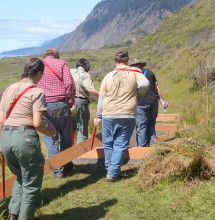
27 33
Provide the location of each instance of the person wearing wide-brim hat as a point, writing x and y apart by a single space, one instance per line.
135 62
147 107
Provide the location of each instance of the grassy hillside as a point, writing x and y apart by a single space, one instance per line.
181 52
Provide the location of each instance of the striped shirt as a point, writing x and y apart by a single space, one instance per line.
54 89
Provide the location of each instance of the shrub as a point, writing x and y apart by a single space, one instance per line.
198 76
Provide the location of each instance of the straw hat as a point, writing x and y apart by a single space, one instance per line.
135 61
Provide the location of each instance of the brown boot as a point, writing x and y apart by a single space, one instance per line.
12 217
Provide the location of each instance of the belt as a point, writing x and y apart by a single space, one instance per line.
60 101
14 128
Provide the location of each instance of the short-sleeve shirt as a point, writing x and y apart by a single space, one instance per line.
32 101
152 93
83 82
121 90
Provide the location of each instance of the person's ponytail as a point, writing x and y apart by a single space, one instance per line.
32 67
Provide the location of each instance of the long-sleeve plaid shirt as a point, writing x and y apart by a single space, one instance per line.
54 89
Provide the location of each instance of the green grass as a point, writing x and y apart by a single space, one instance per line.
175 71
86 195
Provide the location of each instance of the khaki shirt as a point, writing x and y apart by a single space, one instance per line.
83 82
121 90
32 101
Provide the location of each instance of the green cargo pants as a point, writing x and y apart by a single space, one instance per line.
82 116
22 152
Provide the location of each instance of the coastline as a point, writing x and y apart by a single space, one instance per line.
9 56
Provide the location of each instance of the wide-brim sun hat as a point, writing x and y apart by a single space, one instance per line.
135 61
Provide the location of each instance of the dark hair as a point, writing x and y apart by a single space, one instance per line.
32 67
83 63
121 56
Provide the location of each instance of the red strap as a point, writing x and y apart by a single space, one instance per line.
17 99
93 138
47 65
3 174
129 70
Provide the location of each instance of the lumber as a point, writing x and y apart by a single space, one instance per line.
168 117
58 160
166 128
137 153
82 150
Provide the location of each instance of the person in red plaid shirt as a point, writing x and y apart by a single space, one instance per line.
59 88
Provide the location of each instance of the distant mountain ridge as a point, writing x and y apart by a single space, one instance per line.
112 21
37 50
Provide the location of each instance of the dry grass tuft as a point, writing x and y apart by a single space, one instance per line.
182 158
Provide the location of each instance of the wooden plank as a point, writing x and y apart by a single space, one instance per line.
166 127
58 160
97 152
137 153
70 154
8 186
168 117
132 153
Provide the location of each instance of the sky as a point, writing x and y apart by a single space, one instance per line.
26 23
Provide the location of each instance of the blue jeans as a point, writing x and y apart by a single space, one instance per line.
146 120
59 116
116 134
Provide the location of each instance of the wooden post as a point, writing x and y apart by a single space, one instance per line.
207 99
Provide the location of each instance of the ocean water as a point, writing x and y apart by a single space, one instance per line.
1 56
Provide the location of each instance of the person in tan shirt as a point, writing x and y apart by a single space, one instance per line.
117 109
84 88
19 140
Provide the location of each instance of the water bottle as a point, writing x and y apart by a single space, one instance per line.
164 108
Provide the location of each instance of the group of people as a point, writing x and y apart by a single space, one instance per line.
42 100
127 93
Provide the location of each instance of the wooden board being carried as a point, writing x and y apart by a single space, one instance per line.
58 160
83 149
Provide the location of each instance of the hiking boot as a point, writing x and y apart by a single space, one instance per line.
111 180
67 170
12 217
58 175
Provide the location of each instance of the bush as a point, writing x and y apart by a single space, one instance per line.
198 76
